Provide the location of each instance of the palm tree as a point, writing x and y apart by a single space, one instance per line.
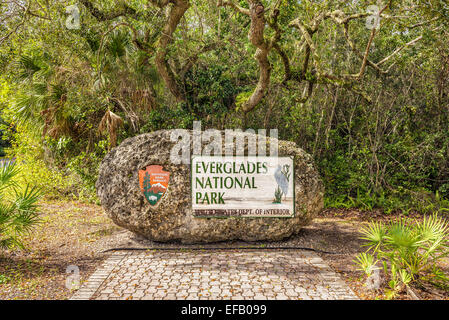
18 208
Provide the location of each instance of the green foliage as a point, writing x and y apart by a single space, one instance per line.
4 279
18 207
389 151
38 166
241 98
28 154
169 118
409 251
84 169
404 170
211 93
366 263
4 127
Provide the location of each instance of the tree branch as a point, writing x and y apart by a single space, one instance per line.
194 58
256 37
104 16
174 17
285 62
399 50
237 8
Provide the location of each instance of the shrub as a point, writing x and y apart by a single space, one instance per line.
28 152
44 165
18 208
409 251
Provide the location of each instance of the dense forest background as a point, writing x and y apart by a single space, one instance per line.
370 102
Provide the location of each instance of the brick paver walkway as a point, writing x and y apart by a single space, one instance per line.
224 274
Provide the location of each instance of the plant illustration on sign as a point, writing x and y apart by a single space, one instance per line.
282 176
153 183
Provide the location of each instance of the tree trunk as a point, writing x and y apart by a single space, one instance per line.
256 37
175 15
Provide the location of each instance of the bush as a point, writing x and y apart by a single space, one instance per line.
409 251
18 208
29 154
43 164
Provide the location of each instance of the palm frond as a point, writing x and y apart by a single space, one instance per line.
409 250
19 215
111 123
118 44
8 171
28 65
374 234
366 263
431 228
27 199
401 235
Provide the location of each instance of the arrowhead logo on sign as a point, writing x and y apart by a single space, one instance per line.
153 183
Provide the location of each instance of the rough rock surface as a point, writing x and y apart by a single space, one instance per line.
171 219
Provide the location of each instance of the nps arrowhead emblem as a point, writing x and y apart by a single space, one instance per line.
153 183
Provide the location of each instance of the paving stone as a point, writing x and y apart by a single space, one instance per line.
227 275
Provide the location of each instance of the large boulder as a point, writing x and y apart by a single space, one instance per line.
121 196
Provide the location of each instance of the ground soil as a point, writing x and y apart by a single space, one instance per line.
77 234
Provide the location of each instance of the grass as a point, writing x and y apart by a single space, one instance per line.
69 234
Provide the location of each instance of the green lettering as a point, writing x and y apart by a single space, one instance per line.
200 182
198 197
220 198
